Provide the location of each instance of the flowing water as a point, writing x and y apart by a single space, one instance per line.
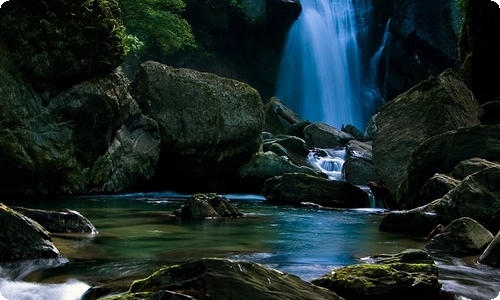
328 70
137 235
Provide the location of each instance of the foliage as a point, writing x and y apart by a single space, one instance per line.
156 26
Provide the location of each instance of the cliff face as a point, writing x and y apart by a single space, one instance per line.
67 122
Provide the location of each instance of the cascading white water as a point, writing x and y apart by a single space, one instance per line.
322 77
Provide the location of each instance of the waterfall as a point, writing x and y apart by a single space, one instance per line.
322 76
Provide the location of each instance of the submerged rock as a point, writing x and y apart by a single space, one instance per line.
221 279
409 275
23 238
202 206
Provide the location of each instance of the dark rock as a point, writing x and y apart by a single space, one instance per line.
90 138
292 143
202 206
470 166
419 221
210 126
320 135
412 275
278 117
221 279
359 149
23 238
354 132
297 129
476 197
62 221
59 43
359 171
461 237
440 154
491 113
491 256
424 41
436 187
268 164
437 105
295 188
478 44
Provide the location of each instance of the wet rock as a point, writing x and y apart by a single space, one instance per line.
461 237
320 135
359 171
436 187
442 153
411 275
278 117
469 166
210 126
268 164
292 143
62 221
434 106
476 197
354 132
491 256
23 238
202 206
295 188
221 279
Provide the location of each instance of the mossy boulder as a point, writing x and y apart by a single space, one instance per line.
202 206
391 277
209 125
58 43
221 279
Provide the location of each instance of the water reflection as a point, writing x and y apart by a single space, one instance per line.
138 234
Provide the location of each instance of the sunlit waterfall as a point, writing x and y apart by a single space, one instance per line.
323 75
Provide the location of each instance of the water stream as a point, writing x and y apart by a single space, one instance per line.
137 235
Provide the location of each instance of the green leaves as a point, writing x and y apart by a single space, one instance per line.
157 25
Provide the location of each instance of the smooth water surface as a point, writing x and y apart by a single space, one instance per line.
138 235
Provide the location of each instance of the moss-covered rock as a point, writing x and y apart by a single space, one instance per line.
394 277
57 43
221 279
201 206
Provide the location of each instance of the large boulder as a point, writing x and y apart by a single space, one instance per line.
434 106
210 126
436 187
68 123
411 274
221 279
23 238
89 138
463 236
296 188
278 117
443 153
476 197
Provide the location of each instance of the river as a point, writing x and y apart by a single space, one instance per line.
137 235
